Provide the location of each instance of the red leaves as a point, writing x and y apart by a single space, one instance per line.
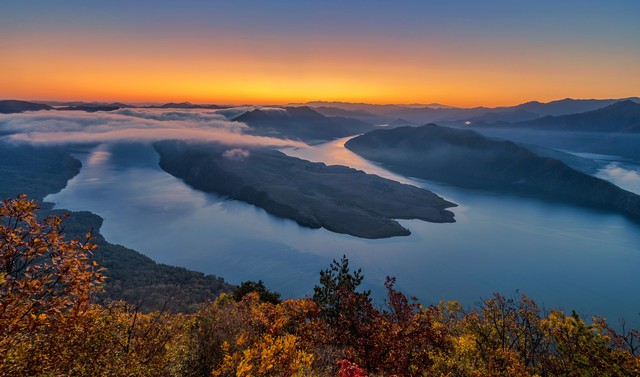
349 369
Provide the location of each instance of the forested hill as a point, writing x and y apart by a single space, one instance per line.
466 158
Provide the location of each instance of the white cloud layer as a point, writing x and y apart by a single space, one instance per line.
62 127
236 154
622 177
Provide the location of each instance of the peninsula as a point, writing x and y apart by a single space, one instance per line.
338 198
465 158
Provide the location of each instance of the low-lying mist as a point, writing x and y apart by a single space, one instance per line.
622 176
132 125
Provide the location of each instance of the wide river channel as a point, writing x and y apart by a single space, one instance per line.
561 255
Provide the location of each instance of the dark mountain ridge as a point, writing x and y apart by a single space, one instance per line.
467 159
301 123
16 106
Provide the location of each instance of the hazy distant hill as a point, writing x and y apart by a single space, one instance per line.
421 114
620 117
15 106
338 112
623 116
363 106
59 104
569 105
301 123
517 115
400 123
88 108
186 105
468 159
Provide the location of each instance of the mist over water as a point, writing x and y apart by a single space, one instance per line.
561 255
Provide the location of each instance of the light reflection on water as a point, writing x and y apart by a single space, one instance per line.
558 254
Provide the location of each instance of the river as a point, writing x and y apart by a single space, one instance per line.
563 256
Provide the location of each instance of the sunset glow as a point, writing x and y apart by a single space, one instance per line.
280 52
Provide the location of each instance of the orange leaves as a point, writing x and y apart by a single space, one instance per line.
45 282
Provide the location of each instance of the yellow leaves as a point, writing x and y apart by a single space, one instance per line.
263 346
465 343
51 281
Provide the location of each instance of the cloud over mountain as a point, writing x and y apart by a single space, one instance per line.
48 127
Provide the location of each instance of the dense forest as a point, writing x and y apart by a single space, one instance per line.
54 322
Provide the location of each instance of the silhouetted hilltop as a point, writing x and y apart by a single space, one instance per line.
301 123
338 198
15 106
88 108
468 159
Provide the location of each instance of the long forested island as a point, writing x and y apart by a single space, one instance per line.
338 198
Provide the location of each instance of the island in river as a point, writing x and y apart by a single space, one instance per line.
337 198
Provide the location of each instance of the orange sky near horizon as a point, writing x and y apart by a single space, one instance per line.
73 61
48 73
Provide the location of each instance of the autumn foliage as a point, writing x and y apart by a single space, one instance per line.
51 324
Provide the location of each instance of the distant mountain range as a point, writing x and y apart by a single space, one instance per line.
570 106
186 105
467 159
318 121
14 106
301 123
421 114
89 109
83 103
623 116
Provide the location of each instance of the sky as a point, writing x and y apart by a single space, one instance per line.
455 52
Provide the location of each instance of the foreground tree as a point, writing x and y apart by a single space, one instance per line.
44 280
265 294
338 283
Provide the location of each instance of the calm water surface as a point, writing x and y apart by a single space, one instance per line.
561 255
